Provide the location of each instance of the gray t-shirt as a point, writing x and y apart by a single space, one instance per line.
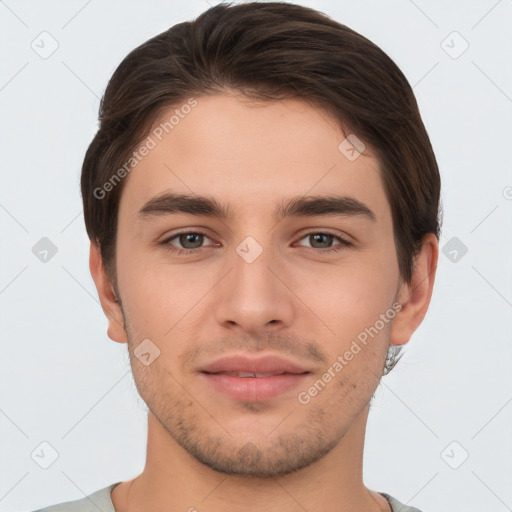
100 501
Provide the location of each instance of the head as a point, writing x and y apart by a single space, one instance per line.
274 122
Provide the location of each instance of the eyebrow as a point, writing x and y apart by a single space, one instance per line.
299 206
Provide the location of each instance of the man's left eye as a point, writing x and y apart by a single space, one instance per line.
325 240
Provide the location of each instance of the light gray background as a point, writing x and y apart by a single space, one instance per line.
65 383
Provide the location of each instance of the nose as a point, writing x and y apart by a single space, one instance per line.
254 296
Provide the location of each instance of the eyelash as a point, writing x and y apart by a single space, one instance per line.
169 247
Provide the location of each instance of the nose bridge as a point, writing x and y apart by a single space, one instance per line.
251 277
252 295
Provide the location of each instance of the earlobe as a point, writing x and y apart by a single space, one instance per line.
415 296
109 302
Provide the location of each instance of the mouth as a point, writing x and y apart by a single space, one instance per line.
254 379
264 365
253 386
247 374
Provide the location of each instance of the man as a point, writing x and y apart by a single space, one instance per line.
262 203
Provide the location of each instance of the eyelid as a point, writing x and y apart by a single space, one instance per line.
326 231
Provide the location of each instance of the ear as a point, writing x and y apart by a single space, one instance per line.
415 296
107 296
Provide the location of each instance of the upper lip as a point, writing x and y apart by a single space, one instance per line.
262 364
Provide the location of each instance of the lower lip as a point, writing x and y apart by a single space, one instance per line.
254 389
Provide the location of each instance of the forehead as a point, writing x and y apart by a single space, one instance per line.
250 154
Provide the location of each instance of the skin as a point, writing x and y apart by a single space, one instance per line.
209 452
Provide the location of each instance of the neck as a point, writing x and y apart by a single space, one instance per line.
174 480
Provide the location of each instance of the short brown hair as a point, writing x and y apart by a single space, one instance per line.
269 50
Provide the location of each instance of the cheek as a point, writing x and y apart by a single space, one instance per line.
158 296
350 295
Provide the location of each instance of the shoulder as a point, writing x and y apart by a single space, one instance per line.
97 500
397 506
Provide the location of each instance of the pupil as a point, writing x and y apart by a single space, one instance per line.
324 236
189 237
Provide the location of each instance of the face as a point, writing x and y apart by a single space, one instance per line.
302 283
